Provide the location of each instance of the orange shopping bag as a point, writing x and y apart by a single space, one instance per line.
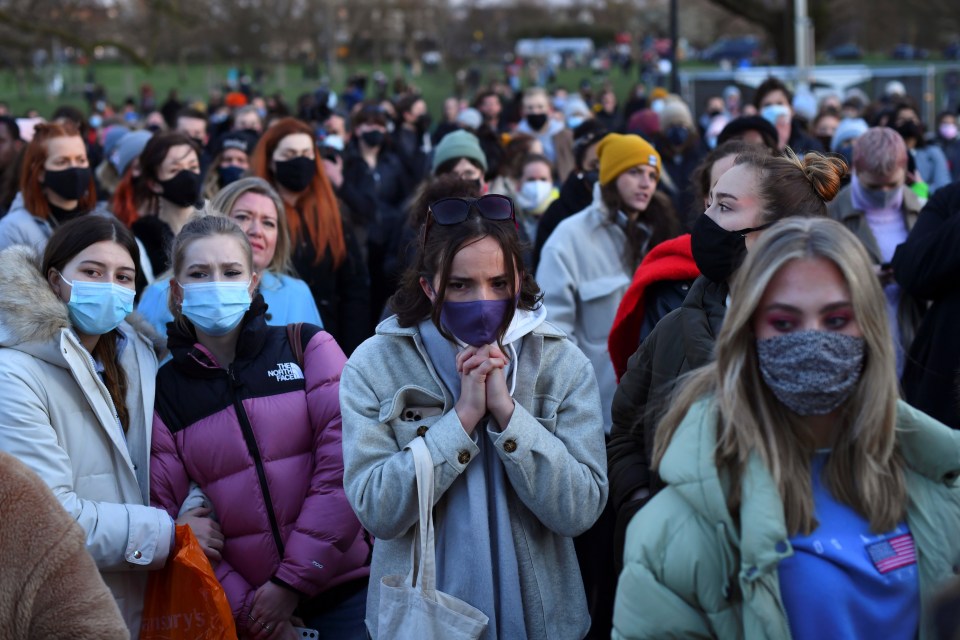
184 599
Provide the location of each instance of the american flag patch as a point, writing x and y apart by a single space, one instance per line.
894 553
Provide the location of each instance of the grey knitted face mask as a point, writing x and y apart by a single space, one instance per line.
811 372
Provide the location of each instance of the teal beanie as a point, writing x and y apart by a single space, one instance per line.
459 144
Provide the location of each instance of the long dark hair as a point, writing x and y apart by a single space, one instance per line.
659 216
67 241
437 249
151 158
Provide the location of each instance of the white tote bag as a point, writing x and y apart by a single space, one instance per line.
411 608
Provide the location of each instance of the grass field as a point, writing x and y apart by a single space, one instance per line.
194 82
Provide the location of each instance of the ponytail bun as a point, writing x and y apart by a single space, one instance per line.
825 174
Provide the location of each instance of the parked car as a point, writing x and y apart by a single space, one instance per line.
733 49
848 51
909 52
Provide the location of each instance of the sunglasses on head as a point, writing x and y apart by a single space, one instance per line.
447 211
451 211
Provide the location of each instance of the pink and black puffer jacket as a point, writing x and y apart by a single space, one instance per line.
263 442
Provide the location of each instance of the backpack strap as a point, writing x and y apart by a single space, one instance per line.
293 337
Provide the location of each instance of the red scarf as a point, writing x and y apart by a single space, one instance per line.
669 260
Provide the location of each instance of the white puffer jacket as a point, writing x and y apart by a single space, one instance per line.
58 418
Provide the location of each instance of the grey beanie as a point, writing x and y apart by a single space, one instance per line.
470 118
848 129
112 137
129 147
459 144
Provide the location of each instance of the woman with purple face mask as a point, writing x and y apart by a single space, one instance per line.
510 413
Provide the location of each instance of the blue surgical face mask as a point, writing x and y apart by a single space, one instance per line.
97 308
575 121
215 308
773 112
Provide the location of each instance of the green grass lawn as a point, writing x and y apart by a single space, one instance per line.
194 82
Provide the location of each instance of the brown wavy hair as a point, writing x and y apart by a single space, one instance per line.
34 157
316 206
437 249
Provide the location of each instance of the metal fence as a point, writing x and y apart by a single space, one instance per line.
935 87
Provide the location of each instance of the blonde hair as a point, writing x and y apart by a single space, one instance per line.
865 469
209 223
226 199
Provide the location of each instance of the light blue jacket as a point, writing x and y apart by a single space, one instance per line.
552 451
288 300
932 166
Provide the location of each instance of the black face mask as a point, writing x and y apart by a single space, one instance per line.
423 122
718 252
677 135
537 120
910 129
825 141
182 189
228 175
373 138
69 184
590 178
296 174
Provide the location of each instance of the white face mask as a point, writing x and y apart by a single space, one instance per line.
533 193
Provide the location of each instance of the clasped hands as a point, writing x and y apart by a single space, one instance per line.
483 387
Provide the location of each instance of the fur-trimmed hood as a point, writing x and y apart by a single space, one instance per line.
29 309
32 316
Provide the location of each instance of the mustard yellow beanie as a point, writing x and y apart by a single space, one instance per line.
617 153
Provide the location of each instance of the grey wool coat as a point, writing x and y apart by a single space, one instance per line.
552 451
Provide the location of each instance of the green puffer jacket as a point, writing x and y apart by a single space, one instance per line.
690 573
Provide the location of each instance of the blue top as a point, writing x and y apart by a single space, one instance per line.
842 581
288 300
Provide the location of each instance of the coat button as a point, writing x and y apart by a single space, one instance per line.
510 446
463 458
422 430
137 555
781 547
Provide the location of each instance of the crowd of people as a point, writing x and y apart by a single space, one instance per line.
682 370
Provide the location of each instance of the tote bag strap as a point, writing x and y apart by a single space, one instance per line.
423 569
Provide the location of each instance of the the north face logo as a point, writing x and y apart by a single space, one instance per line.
286 371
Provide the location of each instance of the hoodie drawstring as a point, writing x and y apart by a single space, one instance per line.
513 369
